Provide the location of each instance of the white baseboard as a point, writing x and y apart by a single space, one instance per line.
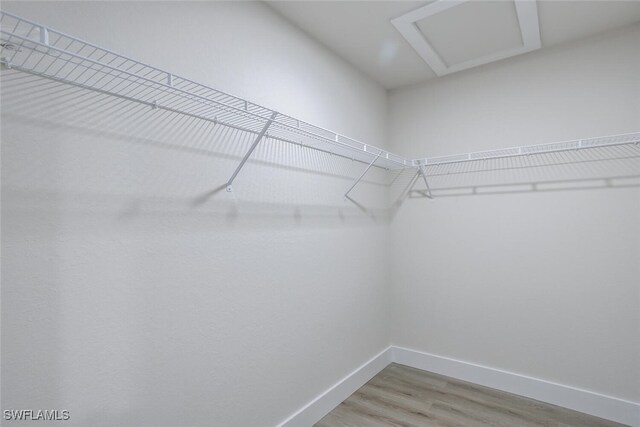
324 403
588 402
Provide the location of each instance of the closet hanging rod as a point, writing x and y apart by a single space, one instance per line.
36 49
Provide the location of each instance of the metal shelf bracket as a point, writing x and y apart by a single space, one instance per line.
423 172
346 195
253 147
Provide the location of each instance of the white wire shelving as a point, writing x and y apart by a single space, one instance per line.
41 51
528 150
33 48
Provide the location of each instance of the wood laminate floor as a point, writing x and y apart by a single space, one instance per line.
404 396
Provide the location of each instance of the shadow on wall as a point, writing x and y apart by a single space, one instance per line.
111 151
130 279
113 154
532 187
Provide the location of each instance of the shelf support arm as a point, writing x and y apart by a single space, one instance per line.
346 195
253 147
423 172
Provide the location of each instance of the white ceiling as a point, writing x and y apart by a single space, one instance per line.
361 32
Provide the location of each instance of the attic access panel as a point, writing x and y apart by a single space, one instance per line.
434 31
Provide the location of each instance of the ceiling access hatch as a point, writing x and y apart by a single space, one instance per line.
454 35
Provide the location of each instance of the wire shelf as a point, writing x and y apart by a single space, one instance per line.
41 51
528 150
602 165
46 53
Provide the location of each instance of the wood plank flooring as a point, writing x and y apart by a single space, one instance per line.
404 396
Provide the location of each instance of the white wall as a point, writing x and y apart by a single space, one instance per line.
131 296
539 283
